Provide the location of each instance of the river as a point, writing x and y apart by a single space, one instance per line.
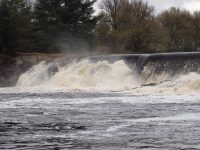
77 109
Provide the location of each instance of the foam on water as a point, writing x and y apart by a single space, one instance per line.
82 75
182 84
181 117
37 75
106 76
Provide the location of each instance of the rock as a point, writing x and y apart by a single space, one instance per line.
52 70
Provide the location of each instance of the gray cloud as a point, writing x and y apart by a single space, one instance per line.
160 5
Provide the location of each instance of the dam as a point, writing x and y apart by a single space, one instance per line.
115 72
131 101
167 61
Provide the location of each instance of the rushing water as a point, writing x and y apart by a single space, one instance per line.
100 106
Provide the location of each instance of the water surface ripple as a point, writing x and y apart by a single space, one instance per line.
96 121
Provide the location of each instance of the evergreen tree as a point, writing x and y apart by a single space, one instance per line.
65 20
16 30
7 29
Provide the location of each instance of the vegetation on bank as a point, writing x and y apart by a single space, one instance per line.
54 26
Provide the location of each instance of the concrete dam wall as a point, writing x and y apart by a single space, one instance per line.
173 63
149 68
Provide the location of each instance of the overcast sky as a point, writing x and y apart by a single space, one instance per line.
160 5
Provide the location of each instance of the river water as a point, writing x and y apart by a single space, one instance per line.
82 111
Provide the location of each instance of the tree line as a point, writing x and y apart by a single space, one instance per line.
47 26
133 26
123 26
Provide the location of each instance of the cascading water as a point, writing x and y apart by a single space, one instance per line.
81 75
113 102
110 76
37 75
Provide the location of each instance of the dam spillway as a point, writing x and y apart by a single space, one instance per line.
157 72
172 63
107 101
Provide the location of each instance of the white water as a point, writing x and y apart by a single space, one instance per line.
42 108
82 75
105 76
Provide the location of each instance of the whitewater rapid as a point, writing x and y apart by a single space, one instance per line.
100 105
82 75
106 76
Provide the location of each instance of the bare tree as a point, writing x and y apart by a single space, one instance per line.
111 7
131 26
196 29
178 25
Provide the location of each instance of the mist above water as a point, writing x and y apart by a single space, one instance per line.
107 76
